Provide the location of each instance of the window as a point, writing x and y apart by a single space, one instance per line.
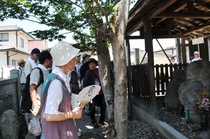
21 43
4 37
14 62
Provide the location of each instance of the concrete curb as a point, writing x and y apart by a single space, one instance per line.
165 129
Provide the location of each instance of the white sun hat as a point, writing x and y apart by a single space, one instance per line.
62 53
196 52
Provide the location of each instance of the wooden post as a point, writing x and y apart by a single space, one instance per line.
7 58
184 61
130 93
205 39
191 51
178 46
149 49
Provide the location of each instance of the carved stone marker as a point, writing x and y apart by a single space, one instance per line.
9 125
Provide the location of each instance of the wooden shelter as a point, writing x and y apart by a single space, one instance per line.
181 19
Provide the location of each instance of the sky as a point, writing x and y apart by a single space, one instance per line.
29 26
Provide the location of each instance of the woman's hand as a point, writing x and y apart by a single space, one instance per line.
77 113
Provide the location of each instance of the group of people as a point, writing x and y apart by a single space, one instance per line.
56 105
85 74
195 57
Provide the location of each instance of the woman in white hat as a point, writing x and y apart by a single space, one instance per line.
57 114
196 56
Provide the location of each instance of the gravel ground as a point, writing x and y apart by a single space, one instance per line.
188 129
138 129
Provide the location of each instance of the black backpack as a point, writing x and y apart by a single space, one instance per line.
26 103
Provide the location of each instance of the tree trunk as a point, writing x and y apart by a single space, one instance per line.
106 79
120 88
120 71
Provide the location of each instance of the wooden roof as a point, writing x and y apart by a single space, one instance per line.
171 18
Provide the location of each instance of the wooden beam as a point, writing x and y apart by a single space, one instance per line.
138 8
162 28
205 25
155 36
159 8
179 7
164 51
203 4
183 15
186 21
190 7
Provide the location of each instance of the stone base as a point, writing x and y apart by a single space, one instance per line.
204 135
194 117
30 136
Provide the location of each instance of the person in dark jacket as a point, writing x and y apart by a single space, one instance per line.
84 67
92 78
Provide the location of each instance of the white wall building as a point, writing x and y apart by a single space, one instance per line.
13 45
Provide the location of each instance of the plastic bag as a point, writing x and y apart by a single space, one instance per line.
34 126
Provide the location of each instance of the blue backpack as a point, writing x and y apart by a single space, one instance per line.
45 87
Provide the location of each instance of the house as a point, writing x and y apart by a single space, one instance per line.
15 43
163 58
37 43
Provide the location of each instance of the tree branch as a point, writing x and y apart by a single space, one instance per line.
93 21
114 6
79 33
103 11
33 21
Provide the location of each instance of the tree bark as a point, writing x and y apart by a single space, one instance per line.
120 70
107 80
120 88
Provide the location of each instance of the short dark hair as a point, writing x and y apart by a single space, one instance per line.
35 51
43 56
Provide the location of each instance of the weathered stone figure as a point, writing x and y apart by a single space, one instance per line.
172 89
9 125
197 81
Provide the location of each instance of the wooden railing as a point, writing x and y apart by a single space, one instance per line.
140 84
163 74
